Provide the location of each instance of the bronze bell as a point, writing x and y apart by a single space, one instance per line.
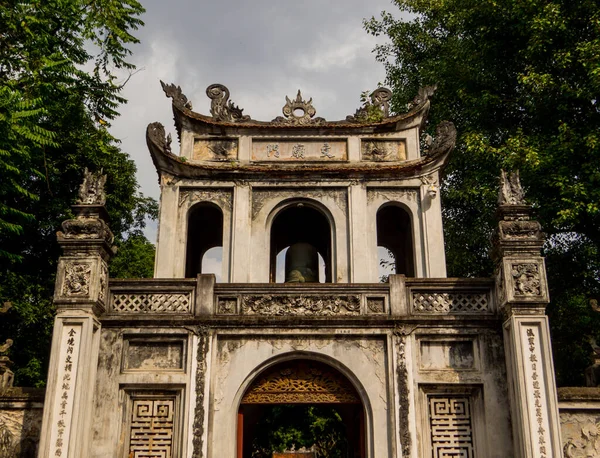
301 264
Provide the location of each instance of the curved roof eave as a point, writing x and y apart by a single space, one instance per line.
167 162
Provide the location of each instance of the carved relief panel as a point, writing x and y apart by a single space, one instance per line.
524 280
378 150
215 149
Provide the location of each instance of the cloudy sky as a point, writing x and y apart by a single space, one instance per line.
262 50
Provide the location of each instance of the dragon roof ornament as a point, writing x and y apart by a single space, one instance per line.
292 107
176 94
377 105
221 108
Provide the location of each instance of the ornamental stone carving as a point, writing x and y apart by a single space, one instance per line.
298 112
376 106
91 191
424 94
444 141
178 97
392 194
580 434
526 279
301 382
86 228
520 230
221 108
511 192
261 196
77 278
282 305
155 134
222 197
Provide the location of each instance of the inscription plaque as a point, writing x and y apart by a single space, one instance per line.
280 150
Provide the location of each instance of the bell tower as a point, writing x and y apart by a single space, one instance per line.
320 197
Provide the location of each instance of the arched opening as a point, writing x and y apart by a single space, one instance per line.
205 232
301 404
305 233
394 235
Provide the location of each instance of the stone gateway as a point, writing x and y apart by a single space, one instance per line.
296 213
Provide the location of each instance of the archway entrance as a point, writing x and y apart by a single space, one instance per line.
301 404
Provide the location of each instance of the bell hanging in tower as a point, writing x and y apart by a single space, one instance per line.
301 264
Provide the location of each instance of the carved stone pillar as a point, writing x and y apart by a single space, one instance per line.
80 296
522 293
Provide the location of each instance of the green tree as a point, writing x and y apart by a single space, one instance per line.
520 79
54 116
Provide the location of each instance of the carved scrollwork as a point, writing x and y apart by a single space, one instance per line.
511 191
581 434
86 228
155 133
223 198
378 99
91 191
291 116
423 96
175 93
444 141
77 279
282 305
520 230
526 278
221 108
301 382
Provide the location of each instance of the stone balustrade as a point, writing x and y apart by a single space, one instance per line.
400 297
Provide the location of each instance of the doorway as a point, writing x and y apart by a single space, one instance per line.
301 404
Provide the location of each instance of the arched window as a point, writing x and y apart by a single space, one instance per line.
204 238
306 234
394 235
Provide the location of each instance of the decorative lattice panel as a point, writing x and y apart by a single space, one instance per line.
152 426
425 302
451 427
153 302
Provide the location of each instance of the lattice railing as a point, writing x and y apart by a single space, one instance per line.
450 302
167 302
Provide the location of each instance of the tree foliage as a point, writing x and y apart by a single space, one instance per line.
59 90
520 80
293 426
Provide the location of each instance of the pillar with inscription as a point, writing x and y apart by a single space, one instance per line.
522 293
80 295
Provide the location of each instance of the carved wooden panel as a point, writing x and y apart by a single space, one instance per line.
301 382
152 426
451 428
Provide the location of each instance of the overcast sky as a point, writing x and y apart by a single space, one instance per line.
262 50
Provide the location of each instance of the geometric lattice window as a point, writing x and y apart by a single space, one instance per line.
152 425
451 427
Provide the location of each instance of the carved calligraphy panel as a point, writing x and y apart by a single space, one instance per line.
279 150
68 361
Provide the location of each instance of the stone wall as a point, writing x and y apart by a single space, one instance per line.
20 422
580 421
